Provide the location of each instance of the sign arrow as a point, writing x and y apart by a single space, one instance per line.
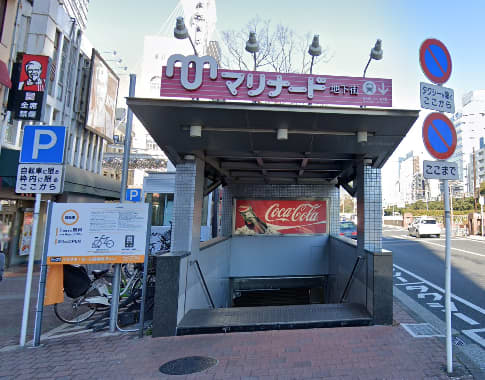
382 90
437 297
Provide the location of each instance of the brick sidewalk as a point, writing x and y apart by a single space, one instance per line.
376 352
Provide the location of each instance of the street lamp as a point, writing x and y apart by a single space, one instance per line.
252 46
314 50
180 32
114 60
375 53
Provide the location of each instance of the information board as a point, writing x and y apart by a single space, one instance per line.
95 233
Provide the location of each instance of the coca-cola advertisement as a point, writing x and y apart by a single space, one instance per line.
275 217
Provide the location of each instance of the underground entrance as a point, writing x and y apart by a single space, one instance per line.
276 259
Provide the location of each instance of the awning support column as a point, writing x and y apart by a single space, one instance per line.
174 273
379 296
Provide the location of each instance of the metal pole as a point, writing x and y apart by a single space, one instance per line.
115 300
42 282
255 67
311 65
366 66
481 213
30 270
145 274
449 353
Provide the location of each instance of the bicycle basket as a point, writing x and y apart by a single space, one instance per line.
76 281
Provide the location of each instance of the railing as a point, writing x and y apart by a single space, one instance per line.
204 284
350 280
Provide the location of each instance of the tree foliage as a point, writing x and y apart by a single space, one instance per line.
280 48
460 206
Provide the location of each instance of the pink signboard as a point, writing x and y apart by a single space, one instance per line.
199 77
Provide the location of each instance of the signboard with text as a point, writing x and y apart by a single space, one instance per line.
29 93
204 80
39 178
95 233
440 170
275 217
437 98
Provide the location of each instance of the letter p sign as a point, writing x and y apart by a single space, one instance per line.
43 144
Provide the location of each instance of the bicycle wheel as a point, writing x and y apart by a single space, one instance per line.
73 311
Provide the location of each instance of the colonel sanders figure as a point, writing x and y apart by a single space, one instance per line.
34 82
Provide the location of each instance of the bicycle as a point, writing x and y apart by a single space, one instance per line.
103 240
87 296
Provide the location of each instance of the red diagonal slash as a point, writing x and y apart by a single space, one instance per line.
441 137
436 60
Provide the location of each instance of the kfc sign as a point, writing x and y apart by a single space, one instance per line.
275 217
28 90
199 77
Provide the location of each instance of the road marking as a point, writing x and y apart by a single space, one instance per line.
421 288
472 334
457 298
456 249
409 283
437 297
467 319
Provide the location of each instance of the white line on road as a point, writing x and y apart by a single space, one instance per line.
409 283
467 319
457 298
439 245
472 334
456 249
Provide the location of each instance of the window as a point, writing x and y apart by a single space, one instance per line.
52 74
62 69
162 207
3 10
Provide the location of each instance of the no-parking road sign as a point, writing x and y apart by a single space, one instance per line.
435 60
439 136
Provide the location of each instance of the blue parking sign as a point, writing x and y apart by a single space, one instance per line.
43 144
133 195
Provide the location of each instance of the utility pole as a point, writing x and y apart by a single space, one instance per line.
474 182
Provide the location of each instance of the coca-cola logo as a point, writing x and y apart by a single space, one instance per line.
304 212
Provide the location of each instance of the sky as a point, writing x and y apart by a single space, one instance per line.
348 28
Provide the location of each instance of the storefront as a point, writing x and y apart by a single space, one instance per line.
280 166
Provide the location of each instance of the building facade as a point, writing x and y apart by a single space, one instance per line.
54 29
470 127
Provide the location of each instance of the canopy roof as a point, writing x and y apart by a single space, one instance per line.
239 138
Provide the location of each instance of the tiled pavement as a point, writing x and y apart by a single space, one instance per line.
376 352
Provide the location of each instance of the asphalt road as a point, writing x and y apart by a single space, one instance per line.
419 271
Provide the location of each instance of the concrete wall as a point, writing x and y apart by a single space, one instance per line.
372 284
214 264
278 255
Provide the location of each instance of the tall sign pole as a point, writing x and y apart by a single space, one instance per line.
439 137
113 318
40 171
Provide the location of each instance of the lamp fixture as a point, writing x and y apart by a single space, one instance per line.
314 50
282 134
375 53
180 32
252 46
196 131
361 137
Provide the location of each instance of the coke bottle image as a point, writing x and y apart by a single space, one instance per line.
251 220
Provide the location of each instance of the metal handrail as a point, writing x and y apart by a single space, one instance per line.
205 284
349 281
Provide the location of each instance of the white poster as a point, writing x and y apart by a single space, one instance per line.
94 233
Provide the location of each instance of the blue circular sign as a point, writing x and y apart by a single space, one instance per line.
439 136
435 60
